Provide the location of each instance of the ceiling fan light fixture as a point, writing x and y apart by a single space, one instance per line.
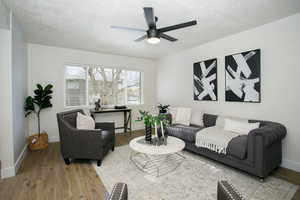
154 34
153 40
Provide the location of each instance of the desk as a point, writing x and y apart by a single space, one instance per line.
127 116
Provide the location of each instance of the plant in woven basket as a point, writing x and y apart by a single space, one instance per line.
40 101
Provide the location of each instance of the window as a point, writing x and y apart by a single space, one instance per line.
75 85
114 86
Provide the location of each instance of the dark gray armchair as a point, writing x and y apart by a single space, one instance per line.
84 144
119 192
226 191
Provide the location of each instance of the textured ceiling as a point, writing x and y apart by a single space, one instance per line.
86 24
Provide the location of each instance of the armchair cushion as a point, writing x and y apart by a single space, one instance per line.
107 136
105 126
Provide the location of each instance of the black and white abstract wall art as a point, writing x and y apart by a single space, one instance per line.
205 80
242 77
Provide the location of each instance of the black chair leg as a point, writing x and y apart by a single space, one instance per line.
98 163
67 161
113 148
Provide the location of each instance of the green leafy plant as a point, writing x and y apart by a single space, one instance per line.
146 117
41 100
149 119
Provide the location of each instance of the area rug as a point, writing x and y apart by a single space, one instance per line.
195 179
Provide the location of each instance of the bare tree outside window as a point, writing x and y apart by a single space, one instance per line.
107 84
113 86
133 87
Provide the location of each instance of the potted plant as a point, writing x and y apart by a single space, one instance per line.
151 121
40 101
163 108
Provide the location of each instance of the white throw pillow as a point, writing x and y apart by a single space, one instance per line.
220 122
239 127
197 118
183 116
173 112
84 122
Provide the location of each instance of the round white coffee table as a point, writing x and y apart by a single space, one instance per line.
157 160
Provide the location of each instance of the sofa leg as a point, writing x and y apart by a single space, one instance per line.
113 148
67 161
98 163
261 180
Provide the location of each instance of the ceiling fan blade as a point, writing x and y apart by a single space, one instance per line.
177 26
149 16
128 28
140 38
167 37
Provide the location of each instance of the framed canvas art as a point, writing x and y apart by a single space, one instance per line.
205 80
242 77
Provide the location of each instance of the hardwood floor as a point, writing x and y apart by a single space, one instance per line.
290 176
44 176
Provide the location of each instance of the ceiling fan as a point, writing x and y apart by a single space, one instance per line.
153 34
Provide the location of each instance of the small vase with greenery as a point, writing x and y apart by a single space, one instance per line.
163 108
150 120
147 118
40 101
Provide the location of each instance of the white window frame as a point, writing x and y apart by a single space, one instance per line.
86 66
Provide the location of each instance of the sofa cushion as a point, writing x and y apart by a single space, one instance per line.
209 120
218 120
239 126
183 116
221 120
237 147
173 111
184 132
197 118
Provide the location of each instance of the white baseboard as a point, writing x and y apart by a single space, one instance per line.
20 159
12 171
52 139
8 172
293 165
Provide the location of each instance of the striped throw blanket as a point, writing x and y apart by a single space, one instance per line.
214 138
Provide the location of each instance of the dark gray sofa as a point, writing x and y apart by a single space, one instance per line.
257 153
84 144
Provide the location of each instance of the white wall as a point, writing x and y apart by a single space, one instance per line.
279 43
19 87
6 139
46 65
4 16
13 86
